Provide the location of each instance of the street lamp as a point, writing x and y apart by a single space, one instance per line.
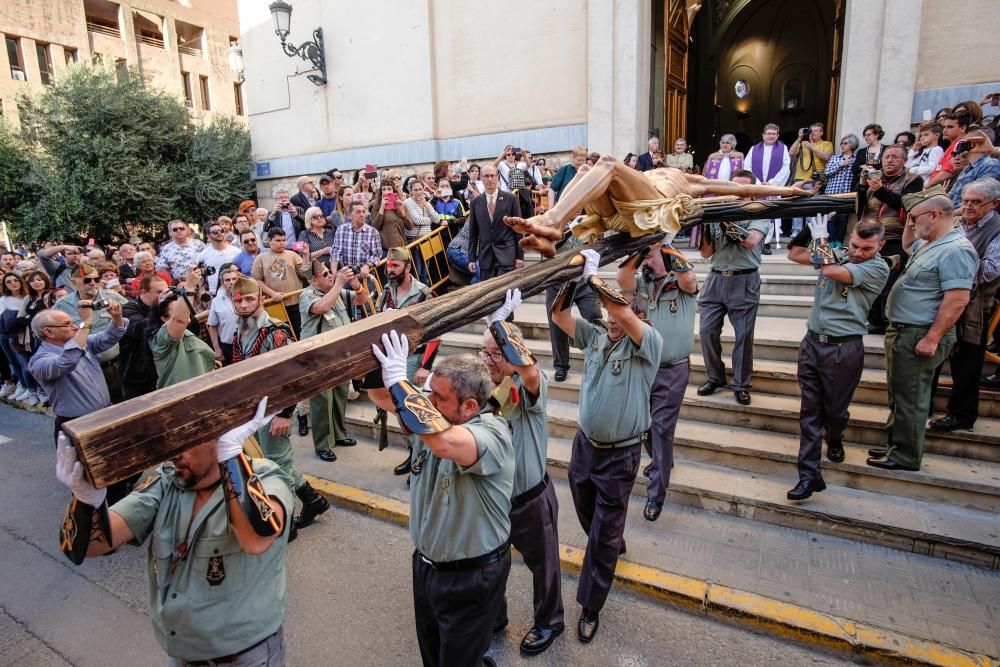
311 52
235 54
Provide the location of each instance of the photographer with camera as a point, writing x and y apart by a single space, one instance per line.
977 165
218 252
285 216
87 289
136 360
811 153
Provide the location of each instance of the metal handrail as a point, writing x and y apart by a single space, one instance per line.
190 50
104 30
152 41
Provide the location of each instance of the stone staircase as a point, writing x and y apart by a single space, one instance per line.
740 460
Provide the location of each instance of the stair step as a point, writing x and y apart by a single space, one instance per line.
936 528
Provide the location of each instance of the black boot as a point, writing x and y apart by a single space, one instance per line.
404 467
313 505
303 424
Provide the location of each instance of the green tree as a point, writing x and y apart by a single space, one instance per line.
215 177
111 158
14 164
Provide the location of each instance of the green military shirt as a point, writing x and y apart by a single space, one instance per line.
729 255
950 262
101 320
458 513
671 312
337 316
391 297
207 597
179 360
617 380
248 343
841 309
529 427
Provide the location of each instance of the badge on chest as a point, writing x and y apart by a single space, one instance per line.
216 573
616 366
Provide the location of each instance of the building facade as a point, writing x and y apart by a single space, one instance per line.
179 46
410 83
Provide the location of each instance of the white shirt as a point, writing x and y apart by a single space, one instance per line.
725 168
924 162
223 316
216 258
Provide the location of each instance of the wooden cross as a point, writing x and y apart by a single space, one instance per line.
124 439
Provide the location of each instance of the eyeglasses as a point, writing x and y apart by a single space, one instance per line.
845 143
338 177
975 202
177 229
250 242
487 357
90 281
215 231
60 326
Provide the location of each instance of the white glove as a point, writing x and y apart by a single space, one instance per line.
69 471
231 442
818 226
393 360
592 264
510 304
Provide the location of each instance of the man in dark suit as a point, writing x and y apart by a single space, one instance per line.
493 246
646 159
307 195
285 216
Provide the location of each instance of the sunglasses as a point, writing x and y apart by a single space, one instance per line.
250 242
90 281
338 177
177 229
215 231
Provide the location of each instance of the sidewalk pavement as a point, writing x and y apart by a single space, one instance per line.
886 604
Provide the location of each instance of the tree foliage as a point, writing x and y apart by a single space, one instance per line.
109 158
14 164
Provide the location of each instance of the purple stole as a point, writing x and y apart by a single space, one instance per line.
777 157
712 167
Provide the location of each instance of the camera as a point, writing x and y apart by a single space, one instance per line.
963 146
873 174
356 269
206 270
97 305
804 132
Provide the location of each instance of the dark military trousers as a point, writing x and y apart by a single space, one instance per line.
455 610
328 411
665 407
876 314
590 310
828 374
278 448
966 364
737 296
534 532
911 385
600 481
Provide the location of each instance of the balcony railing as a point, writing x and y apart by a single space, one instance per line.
191 50
104 30
151 40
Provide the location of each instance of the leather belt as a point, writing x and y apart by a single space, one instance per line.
469 563
734 272
670 364
532 493
903 325
619 444
227 659
836 340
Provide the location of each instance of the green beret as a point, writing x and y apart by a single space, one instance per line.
245 285
915 198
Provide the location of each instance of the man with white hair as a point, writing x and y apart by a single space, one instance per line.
286 216
646 159
307 196
981 226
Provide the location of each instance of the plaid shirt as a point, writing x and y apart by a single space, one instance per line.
838 172
355 247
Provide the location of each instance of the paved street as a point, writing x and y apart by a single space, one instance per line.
349 593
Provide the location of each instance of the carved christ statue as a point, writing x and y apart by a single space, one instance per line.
622 199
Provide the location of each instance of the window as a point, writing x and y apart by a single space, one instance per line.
102 17
14 57
188 92
44 62
72 55
206 103
190 39
238 95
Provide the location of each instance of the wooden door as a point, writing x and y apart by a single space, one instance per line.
675 69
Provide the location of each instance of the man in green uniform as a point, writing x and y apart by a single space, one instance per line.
215 521
324 306
402 290
923 306
257 334
832 353
665 287
462 480
619 369
732 288
177 353
521 391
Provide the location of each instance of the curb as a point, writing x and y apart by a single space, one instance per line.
718 602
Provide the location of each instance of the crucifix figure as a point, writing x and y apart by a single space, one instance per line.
622 199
